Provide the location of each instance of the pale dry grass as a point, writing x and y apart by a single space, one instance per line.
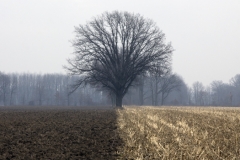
179 133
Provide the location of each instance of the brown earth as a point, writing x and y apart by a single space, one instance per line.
58 134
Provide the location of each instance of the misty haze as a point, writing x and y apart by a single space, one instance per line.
129 80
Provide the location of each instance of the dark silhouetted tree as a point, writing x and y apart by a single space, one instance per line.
114 48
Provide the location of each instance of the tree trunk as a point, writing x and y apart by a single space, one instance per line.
162 100
119 98
113 99
141 98
152 93
156 90
141 101
156 99
10 101
4 98
68 101
152 98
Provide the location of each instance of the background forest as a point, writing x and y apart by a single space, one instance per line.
170 89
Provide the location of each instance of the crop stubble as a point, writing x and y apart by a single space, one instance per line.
180 133
131 133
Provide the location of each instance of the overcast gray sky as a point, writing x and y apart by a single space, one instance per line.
35 34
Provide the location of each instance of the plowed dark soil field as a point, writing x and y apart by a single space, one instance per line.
59 134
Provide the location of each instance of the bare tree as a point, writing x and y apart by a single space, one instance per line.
4 87
198 90
222 95
217 89
169 83
235 94
163 82
114 48
141 90
235 81
40 89
12 87
207 96
157 76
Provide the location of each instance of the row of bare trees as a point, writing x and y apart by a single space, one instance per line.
217 94
170 89
43 90
8 86
160 89
149 89
56 90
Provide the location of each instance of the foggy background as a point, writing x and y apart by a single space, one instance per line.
35 43
205 34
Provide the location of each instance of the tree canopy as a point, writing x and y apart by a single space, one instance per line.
114 48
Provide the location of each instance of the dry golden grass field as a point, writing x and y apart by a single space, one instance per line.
131 133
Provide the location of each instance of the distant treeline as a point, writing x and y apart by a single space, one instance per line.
44 90
54 90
